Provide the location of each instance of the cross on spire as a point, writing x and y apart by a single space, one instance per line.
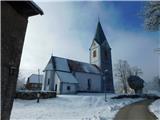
98 18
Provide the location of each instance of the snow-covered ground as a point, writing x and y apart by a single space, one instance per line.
155 108
69 107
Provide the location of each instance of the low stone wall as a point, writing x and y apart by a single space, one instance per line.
148 96
30 95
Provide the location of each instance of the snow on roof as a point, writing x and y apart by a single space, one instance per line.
83 67
49 65
90 68
66 77
61 64
34 78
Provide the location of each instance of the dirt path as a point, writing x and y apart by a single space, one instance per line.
136 111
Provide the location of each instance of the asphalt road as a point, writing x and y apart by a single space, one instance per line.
136 111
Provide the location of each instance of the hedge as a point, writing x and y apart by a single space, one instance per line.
30 95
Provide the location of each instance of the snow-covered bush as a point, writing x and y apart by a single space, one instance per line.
20 85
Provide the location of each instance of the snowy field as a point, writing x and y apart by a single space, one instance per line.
155 108
69 107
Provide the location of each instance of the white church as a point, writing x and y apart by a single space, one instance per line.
67 76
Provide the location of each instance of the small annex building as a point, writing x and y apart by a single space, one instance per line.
34 82
68 76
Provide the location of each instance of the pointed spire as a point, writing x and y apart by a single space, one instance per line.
100 36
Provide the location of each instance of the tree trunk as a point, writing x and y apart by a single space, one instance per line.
125 86
125 89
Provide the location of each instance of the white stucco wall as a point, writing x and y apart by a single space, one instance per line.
48 77
72 88
49 66
62 87
95 60
57 82
83 81
43 82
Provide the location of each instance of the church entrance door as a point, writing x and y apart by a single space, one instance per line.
56 87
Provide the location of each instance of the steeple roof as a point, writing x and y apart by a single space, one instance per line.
100 36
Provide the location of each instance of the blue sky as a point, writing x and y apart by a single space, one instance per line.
67 29
129 12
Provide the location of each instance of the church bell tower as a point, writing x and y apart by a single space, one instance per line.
100 55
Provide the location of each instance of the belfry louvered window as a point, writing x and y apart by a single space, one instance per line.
48 81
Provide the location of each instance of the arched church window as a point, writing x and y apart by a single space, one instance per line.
48 81
94 53
68 88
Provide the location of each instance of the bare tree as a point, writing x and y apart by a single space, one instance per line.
20 85
152 15
123 71
20 81
136 71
